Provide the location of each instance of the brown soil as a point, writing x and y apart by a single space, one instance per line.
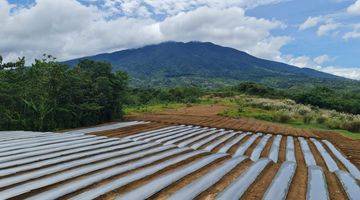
165 193
266 151
207 116
225 181
262 182
282 150
299 184
140 182
249 151
334 187
217 148
233 149
351 148
129 130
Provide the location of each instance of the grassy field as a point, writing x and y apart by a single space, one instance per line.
282 111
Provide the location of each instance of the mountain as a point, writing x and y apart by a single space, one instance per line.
206 64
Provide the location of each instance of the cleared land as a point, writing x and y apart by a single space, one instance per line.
161 160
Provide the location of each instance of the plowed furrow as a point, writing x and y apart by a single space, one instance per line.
299 184
225 181
259 187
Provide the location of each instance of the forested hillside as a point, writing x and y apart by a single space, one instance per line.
209 65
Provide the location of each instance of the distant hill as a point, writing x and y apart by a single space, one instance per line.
207 64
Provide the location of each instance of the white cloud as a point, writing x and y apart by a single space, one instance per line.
306 61
317 63
352 73
310 22
354 9
217 25
322 59
326 28
78 30
354 34
300 61
141 8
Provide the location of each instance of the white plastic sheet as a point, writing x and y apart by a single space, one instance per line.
236 189
281 183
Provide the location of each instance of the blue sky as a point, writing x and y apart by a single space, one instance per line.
319 34
294 13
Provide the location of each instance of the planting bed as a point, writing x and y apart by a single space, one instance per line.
155 160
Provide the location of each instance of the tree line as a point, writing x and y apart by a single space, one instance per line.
49 95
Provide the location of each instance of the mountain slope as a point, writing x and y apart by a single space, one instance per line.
205 64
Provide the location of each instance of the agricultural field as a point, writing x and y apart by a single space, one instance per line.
170 159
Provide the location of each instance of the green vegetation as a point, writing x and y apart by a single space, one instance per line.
340 99
49 95
289 112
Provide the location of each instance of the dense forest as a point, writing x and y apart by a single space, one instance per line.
49 95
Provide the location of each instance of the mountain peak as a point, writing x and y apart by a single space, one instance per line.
204 63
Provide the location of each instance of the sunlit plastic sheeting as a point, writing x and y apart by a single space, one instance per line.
42 145
152 131
36 142
154 186
215 143
330 163
67 165
255 155
105 127
168 138
233 142
349 166
274 150
197 138
46 154
349 184
200 143
237 188
72 155
187 136
157 135
108 173
8 136
14 155
242 148
66 175
281 183
309 158
316 184
201 184
131 177
290 149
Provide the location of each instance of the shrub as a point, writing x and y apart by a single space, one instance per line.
321 119
307 118
353 126
334 123
264 117
282 117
